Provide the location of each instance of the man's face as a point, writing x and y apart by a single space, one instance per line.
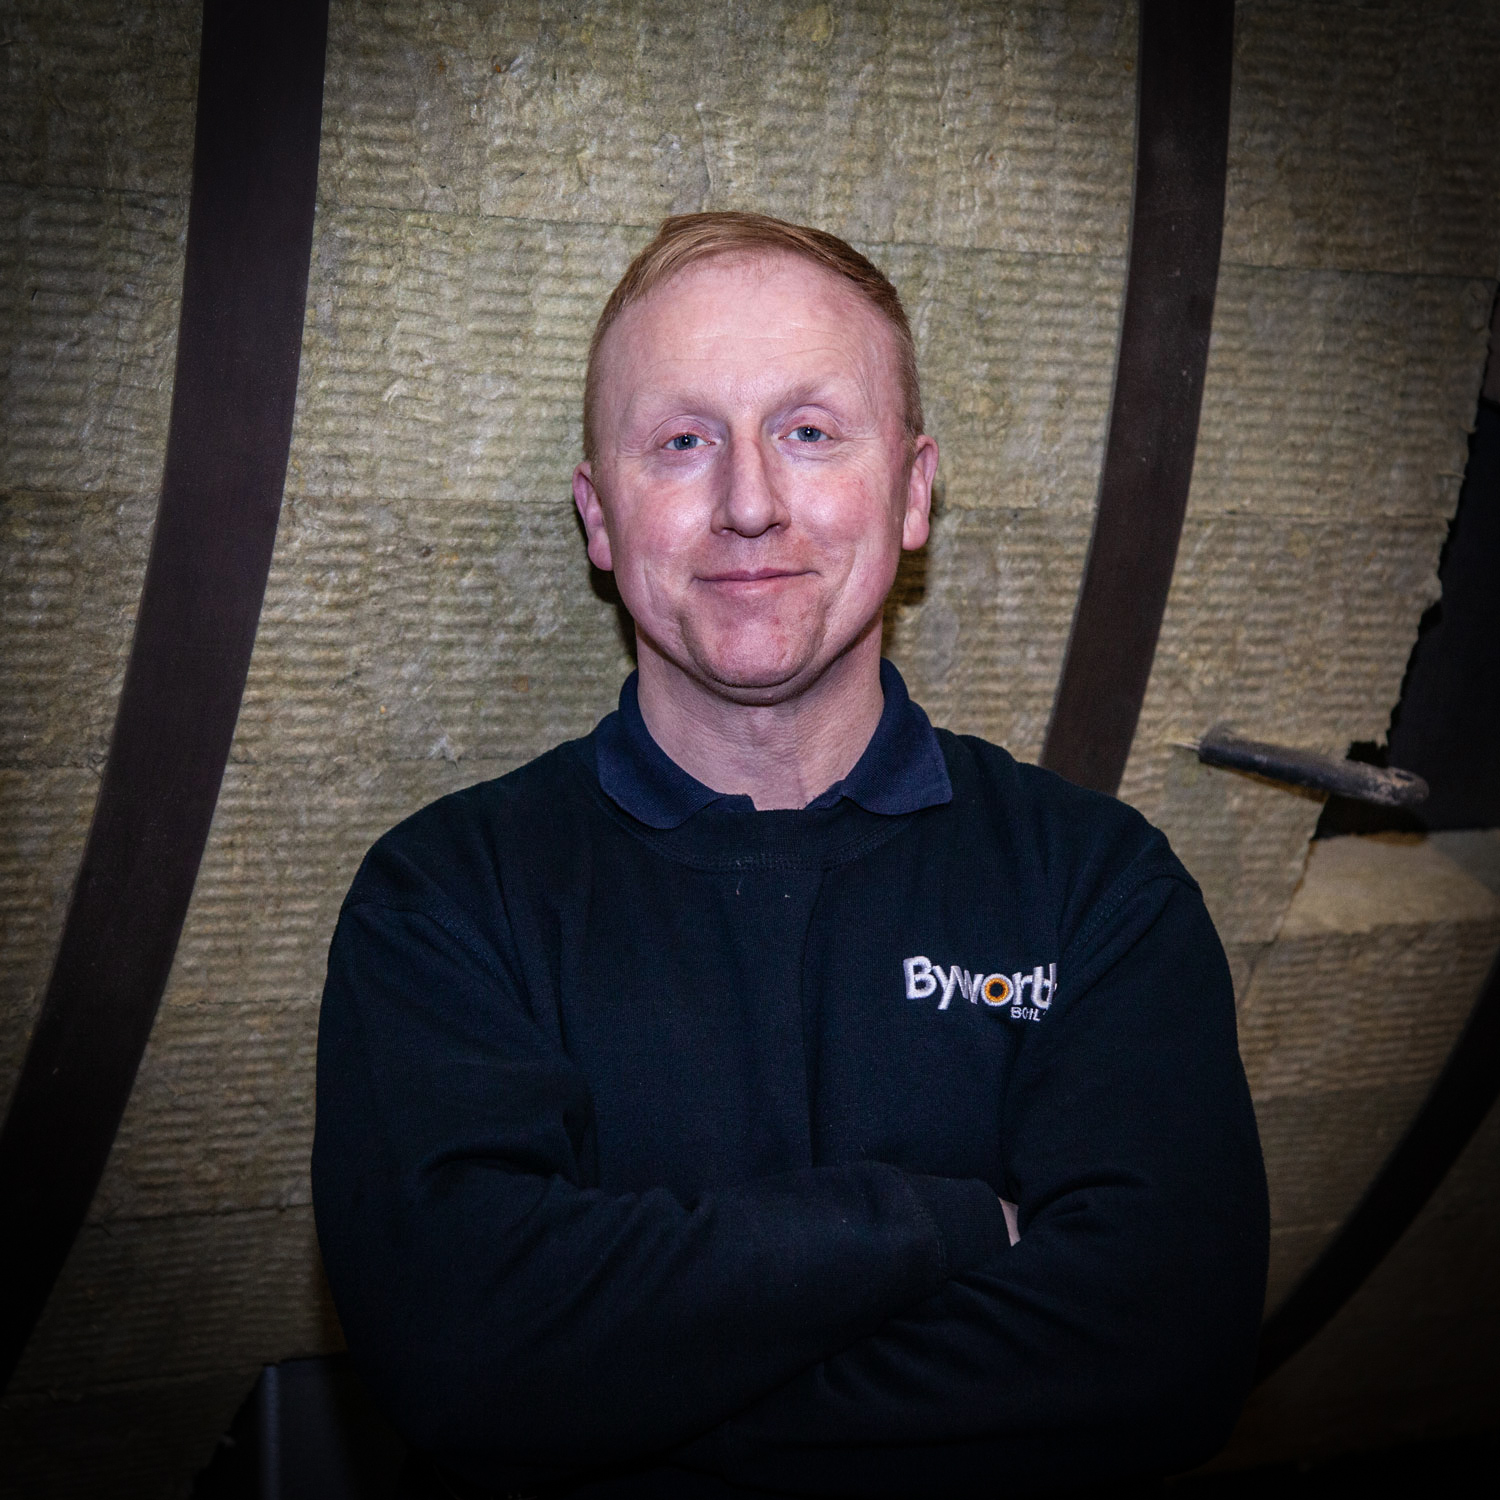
754 485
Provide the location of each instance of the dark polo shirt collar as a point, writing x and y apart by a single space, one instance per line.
901 770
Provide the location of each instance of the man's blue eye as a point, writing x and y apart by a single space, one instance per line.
808 434
684 442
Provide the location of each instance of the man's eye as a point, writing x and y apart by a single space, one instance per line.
684 442
808 434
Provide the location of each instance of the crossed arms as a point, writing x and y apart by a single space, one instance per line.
844 1329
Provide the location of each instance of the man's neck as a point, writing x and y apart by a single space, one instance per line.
780 755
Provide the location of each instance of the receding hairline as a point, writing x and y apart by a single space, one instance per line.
754 262
688 240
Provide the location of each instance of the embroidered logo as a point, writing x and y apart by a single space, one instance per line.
998 991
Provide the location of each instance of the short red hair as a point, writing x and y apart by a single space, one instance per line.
686 239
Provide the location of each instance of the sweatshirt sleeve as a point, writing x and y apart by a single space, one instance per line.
521 1324
1117 1336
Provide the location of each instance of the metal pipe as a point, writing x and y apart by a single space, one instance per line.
1387 786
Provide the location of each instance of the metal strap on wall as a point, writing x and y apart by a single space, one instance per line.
255 167
1176 226
1467 1087
1463 1095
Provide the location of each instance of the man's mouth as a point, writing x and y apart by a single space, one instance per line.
751 575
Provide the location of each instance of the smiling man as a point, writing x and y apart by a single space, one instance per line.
769 1091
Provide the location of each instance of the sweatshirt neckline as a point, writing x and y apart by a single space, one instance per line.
901 771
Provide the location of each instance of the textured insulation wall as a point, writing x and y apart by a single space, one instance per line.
487 172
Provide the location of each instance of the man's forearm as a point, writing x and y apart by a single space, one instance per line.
526 1326
1117 1336
595 1330
1050 1367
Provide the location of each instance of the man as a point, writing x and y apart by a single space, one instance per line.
674 1089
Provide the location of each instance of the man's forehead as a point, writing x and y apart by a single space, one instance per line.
727 275
702 317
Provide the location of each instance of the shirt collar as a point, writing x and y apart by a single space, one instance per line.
901 771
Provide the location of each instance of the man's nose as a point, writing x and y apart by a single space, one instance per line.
749 501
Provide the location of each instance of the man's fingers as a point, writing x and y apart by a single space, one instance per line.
1012 1221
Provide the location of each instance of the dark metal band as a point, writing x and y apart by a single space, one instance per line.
1463 1095
1177 224
255 167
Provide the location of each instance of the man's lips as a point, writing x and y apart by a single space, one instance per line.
751 575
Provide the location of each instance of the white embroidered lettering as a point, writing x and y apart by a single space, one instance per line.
919 981
949 982
1004 992
1043 981
996 990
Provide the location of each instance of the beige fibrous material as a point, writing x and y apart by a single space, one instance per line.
431 620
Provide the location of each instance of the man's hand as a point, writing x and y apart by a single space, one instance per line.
1012 1222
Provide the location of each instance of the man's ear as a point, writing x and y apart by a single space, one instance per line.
591 513
924 462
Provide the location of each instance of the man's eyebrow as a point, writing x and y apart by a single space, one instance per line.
811 392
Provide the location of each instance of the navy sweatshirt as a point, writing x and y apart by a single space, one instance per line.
660 1141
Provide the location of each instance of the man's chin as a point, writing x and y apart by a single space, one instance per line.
748 676
757 684
754 672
